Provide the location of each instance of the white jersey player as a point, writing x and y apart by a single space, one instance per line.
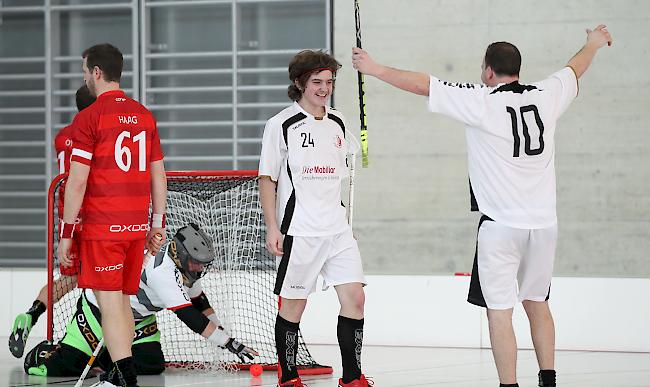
302 164
510 131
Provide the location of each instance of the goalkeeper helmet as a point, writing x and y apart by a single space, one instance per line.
191 250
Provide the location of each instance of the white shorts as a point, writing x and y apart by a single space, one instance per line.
511 265
335 257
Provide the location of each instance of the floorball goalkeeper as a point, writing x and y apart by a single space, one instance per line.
170 280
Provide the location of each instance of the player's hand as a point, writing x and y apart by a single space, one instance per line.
274 241
240 350
599 36
155 240
63 252
362 62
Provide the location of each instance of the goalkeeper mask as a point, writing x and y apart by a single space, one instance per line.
192 251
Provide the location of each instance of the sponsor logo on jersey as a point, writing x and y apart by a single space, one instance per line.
132 120
299 125
326 169
68 142
297 287
120 99
179 283
119 266
338 142
128 227
461 85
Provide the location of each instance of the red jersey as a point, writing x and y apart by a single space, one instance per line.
63 147
117 138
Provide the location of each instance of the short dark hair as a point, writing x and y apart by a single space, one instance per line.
503 58
84 98
304 64
108 58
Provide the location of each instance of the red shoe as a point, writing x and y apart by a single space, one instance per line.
361 382
296 382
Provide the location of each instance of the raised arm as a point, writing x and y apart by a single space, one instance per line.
595 40
417 83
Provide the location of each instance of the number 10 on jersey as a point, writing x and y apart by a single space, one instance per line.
515 130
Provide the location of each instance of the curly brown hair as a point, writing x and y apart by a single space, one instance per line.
303 65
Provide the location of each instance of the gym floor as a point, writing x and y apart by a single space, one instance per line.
400 366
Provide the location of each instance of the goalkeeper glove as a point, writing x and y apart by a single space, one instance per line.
240 350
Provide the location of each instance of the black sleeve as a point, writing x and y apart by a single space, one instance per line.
201 302
191 317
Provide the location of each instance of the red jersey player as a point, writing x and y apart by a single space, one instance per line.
63 144
25 321
116 169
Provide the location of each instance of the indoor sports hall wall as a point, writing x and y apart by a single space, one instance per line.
411 210
412 203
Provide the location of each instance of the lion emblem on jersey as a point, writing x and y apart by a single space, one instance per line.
338 141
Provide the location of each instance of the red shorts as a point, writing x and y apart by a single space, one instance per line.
74 255
111 265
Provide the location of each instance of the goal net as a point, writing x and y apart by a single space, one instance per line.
239 283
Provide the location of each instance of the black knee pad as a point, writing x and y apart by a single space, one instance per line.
39 354
148 358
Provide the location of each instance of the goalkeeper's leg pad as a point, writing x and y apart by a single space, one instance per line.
34 363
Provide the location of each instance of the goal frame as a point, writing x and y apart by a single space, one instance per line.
51 224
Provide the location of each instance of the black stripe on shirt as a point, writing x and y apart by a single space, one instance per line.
161 255
514 87
146 302
290 121
473 204
291 205
338 121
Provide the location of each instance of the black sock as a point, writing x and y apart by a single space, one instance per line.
508 385
350 334
286 343
124 373
37 309
546 378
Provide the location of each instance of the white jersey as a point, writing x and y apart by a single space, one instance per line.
161 287
307 158
510 131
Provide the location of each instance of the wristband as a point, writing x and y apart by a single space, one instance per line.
219 337
213 317
158 221
66 230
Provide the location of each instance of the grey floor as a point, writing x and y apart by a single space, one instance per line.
401 366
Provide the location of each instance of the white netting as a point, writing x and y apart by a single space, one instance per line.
239 283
